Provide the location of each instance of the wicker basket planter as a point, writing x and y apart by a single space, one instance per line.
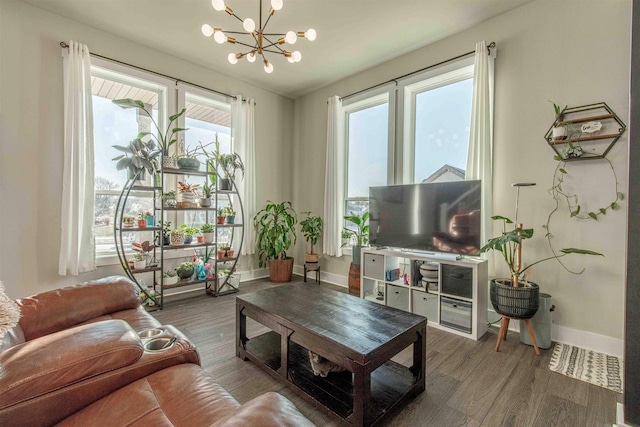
520 303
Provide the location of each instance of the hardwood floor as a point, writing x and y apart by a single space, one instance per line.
468 383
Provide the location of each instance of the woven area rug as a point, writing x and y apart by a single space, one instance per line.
586 365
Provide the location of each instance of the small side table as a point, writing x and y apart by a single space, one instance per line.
312 266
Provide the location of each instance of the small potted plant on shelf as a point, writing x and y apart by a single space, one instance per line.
138 262
177 237
189 232
311 228
143 248
187 193
220 217
560 130
185 270
205 198
361 233
142 220
148 216
208 231
188 160
169 199
128 221
166 233
170 277
222 251
229 214
230 164
164 140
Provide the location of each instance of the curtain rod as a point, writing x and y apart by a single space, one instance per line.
395 80
66 46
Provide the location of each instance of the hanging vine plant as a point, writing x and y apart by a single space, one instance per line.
572 202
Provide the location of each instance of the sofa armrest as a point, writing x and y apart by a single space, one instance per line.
59 309
268 410
45 365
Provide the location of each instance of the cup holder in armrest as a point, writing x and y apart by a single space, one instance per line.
150 333
159 344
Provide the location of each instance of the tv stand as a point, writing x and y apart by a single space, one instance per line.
450 290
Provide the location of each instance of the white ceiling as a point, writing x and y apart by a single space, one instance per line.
353 35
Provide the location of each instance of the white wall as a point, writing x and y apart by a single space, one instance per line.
31 114
572 52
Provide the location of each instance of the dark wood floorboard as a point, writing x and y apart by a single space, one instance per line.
467 384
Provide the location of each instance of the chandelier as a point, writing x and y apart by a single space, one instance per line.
259 41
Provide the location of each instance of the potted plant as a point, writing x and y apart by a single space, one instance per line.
164 140
229 214
230 164
142 220
139 262
143 248
311 228
185 270
170 277
177 238
220 217
205 198
560 130
189 232
275 233
166 232
222 252
169 199
187 193
138 158
208 231
148 216
128 221
188 160
361 233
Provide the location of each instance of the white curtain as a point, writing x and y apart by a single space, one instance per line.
244 143
334 179
480 155
77 248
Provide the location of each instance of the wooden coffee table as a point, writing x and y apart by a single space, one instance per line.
359 335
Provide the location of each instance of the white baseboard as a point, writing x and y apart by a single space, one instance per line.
334 279
620 416
578 338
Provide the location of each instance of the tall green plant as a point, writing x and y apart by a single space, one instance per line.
164 139
507 244
361 232
275 231
311 228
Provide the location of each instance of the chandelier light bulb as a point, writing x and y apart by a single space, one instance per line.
207 30
251 57
218 5
219 37
232 58
268 68
249 25
310 34
296 55
290 59
290 37
276 4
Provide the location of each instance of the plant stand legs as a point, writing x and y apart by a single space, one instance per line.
504 328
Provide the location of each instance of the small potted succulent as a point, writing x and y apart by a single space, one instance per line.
208 231
142 220
185 270
205 198
166 232
170 277
189 232
177 237
128 221
138 262
229 214
220 217
222 251
169 199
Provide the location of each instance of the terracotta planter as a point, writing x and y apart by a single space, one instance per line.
221 254
311 257
142 223
280 271
221 219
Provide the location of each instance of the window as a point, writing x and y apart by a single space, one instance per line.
434 110
117 126
368 160
437 116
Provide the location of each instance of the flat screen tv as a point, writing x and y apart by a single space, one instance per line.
434 217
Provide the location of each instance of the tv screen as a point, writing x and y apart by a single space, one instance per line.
434 217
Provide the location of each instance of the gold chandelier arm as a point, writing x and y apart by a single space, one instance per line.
272 44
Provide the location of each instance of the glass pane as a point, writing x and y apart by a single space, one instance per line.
116 126
204 119
355 207
442 132
368 145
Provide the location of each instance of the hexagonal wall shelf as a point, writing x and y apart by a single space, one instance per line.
586 132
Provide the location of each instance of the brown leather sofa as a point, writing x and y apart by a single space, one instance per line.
76 358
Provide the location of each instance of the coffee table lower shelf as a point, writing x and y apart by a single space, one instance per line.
390 383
